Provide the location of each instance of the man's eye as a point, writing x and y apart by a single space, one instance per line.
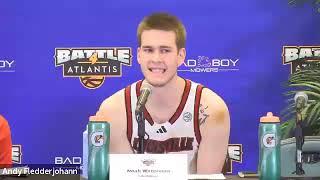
165 50
147 50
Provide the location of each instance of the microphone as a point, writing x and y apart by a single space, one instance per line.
145 91
301 99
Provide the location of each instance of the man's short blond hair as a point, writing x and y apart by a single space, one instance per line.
166 22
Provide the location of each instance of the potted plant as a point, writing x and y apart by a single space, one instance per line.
308 81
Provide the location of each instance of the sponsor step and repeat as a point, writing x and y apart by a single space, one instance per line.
55 75
93 65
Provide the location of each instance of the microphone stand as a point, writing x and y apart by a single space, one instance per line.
299 142
141 129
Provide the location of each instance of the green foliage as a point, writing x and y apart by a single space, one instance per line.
315 3
308 81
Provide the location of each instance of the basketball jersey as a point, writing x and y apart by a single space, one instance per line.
180 134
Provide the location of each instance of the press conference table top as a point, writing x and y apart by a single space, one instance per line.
74 177
77 177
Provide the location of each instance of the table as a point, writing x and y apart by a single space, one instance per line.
77 177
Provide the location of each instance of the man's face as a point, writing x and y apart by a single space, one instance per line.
159 57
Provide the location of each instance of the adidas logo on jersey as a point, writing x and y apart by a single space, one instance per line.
162 130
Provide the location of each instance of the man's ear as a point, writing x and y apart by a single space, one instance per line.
181 56
139 54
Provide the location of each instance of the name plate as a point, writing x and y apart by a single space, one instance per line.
148 166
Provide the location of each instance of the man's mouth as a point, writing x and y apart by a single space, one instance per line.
157 70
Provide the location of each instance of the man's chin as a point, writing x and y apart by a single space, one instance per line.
160 82
157 84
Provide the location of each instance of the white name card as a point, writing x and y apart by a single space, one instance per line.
206 176
148 166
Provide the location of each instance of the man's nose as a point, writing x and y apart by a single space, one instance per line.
156 57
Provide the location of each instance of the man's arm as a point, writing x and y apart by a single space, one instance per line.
214 122
5 144
113 111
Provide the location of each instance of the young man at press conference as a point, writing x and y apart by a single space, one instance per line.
181 116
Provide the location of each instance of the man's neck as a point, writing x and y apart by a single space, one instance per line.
168 95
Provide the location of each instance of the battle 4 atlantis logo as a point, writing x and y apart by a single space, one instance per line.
92 65
16 154
234 155
301 57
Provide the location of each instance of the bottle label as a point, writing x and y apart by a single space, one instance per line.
299 156
269 140
97 138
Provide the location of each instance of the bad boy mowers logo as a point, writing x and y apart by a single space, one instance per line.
92 65
204 64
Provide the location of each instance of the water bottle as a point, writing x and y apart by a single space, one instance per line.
99 138
269 154
85 154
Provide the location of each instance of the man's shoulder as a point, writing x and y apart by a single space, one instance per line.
208 95
114 102
117 99
215 103
111 109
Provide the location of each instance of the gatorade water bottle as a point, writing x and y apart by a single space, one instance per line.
84 172
269 154
98 160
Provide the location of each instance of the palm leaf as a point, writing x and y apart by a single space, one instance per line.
314 114
311 94
287 128
295 2
316 128
308 81
312 74
314 87
309 109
